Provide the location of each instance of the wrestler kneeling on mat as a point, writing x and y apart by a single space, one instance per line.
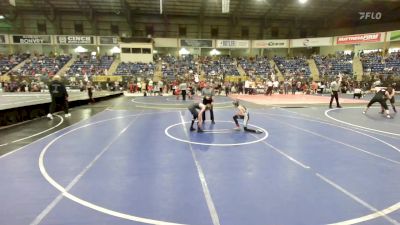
243 114
198 114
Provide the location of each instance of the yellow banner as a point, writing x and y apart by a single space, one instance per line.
106 78
4 78
235 78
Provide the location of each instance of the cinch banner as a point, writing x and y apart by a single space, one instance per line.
108 40
31 39
75 40
360 38
197 43
3 39
394 35
270 44
310 42
232 44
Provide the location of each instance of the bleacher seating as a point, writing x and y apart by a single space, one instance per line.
372 62
43 65
334 65
9 62
127 69
392 63
296 65
224 65
259 66
91 66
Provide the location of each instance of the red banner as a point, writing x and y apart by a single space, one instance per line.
359 38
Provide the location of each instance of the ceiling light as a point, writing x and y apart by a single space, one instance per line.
303 1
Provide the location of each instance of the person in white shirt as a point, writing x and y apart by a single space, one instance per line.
335 86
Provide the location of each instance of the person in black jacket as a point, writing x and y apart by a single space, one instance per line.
59 96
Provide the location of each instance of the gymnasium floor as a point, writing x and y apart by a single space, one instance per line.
134 161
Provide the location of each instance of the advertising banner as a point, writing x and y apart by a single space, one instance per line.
31 39
310 42
270 43
233 44
107 40
75 40
394 35
197 43
360 38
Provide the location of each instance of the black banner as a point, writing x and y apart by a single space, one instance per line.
108 40
31 39
198 43
75 40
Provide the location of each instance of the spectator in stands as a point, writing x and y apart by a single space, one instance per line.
59 96
335 86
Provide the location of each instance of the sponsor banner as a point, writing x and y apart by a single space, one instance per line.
197 43
233 44
107 40
394 35
270 43
3 39
360 38
310 42
31 39
75 40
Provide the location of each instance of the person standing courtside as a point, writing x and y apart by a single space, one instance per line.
59 96
335 86
208 94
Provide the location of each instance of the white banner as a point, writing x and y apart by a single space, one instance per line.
75 40
166 42
233 44
270 43
310 42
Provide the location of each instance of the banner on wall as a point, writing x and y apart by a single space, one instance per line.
310 42
232 44
107 40
106 78
75 40
394 35
197 43
31 39
270 44
360 38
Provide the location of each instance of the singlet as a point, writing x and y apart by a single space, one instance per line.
380 93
